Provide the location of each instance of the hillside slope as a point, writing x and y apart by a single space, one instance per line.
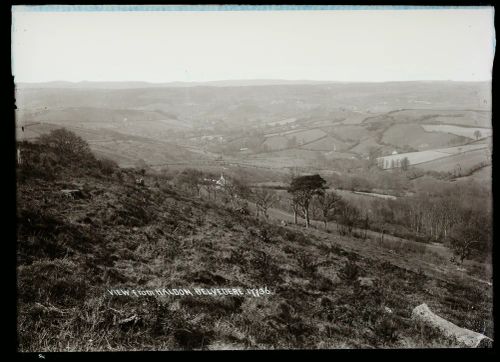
118 235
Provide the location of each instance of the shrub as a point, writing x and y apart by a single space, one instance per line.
386 329
306 263
67 145
38 161
264 234
350 270
107 166
61 283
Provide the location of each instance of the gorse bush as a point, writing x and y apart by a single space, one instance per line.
38 161
350 270
61 151
386 329
65 142
306 263
107 167
71 149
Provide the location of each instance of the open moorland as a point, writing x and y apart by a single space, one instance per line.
327 289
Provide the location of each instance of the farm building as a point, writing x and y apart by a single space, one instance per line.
395 160
389 162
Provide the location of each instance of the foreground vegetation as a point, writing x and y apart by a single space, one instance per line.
117 234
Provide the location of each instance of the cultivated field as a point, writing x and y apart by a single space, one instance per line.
460 162
416 158
276 142
326 144
348 132
457 130
416 136
453 115
307 136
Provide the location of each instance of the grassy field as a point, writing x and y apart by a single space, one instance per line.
276 142
91 115
355 118
462 154
348 132
124 148
415 136
326 144
151 152
457 130
32 131
282 122
301 154
463 161
307 136
416 158
465 148
467 119
471 118
364 147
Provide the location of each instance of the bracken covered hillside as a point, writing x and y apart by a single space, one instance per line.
115 234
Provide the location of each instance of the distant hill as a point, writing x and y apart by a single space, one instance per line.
402 116
304 97
136 84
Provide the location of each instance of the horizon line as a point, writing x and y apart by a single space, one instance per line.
206 8
251 80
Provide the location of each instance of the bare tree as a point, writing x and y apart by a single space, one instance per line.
373 154
264 199
291 142
405 164
238 188
348 217
468 237
365 222
209 185
327 202
191 178
295 208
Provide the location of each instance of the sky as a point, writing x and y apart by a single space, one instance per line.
363 45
